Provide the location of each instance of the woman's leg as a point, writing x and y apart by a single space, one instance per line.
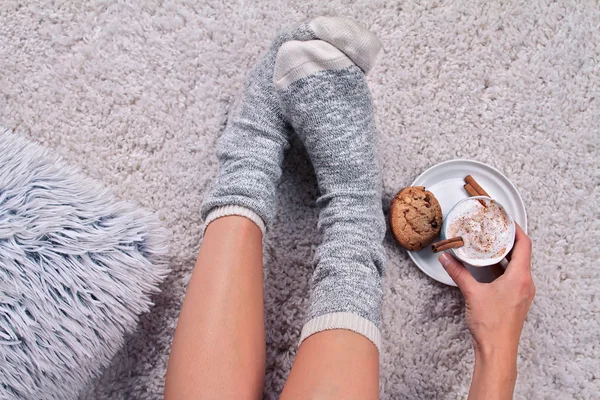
334 364
219 350
219 346
324 93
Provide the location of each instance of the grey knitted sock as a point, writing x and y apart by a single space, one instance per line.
252 147
325 96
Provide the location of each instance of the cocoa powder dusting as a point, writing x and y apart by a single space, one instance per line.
500 252
479 228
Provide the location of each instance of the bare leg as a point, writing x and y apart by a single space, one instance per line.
334 364
219 345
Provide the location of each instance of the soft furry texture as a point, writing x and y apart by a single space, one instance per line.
136 92
77 268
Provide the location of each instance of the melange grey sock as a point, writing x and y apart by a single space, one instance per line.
252 147
325 96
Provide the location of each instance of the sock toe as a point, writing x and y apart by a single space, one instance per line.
296 60
357 42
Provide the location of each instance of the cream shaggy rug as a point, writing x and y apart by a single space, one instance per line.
136 93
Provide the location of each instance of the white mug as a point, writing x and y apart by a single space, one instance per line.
480 262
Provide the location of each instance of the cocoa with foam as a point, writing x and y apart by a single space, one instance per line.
485 228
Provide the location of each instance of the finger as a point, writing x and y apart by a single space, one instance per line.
520 256
459 274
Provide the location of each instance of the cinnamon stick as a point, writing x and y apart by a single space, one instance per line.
471 181
471 190
447 244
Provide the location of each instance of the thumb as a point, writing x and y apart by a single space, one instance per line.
459 274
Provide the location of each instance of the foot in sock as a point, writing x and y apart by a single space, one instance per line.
252 147
324 95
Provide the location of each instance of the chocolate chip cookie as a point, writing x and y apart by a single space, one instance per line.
415 217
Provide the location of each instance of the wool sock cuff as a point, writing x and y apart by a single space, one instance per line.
342 320
232 209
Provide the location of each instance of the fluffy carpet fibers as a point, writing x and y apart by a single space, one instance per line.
136 93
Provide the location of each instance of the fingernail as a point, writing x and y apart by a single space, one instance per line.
445 259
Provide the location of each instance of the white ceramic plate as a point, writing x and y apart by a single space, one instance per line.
446 181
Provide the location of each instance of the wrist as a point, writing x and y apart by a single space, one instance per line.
496 354
495 374
497 360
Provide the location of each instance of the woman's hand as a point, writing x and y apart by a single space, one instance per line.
495 316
